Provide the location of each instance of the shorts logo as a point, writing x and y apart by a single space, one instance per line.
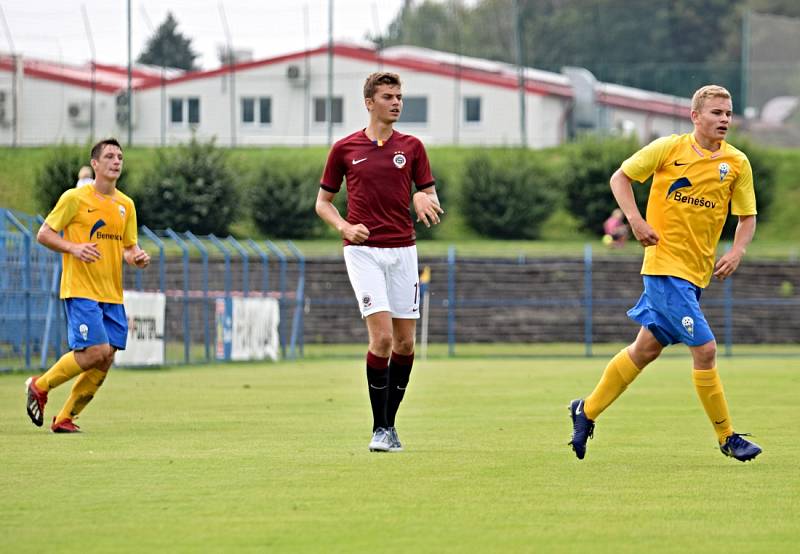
84 330
366 300
399 160
121 211
688 324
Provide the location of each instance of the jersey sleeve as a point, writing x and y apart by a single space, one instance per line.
66 208
334 173
422 169
743 201
646 161
131 234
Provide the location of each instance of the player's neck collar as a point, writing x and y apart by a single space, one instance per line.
376 137
705 152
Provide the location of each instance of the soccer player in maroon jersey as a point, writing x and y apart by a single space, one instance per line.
380 165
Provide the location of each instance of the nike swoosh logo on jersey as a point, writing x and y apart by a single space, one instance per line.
356 162
679 164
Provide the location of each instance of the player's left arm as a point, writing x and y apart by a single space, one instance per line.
743 204
427 206
729 261
132 253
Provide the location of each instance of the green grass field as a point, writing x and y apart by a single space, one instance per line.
273 458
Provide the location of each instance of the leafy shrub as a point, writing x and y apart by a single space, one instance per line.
763 164
588 169
507 198
60 172
190 188
282 201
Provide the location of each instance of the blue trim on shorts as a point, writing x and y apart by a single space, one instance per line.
669 308
90 322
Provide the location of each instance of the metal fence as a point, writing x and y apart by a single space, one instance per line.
576 300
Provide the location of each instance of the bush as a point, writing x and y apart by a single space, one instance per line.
282 201
59 173
589 166
190 188
507 198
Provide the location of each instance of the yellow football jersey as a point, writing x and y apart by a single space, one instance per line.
688 204
86 215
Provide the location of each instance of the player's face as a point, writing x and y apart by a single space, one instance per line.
109 165
713 120
386 104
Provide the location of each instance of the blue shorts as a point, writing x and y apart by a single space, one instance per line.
90 322
670 309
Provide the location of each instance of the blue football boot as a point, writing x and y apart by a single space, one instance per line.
582 428
740 448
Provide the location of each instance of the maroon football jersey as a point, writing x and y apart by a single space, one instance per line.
379 184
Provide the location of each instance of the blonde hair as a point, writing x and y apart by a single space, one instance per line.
704 93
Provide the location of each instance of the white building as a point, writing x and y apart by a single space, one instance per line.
448 99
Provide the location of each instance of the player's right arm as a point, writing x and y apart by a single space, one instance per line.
330 215
85 252
622 189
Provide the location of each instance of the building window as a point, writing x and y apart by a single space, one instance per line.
415 109
472 109
257 109
184 111
320 112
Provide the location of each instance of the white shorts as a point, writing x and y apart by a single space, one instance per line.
384 279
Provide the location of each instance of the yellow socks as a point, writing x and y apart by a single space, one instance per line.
709 389
619 373
82 393
62 371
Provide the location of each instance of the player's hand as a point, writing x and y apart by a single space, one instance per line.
644 233
86 252
427 208
355 233
141 259
727 264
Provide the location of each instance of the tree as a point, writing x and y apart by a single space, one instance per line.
169 48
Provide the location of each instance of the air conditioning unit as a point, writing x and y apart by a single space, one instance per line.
79 113
5 108
122 110
296 75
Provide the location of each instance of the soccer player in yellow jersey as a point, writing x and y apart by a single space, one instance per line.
695 177
99 225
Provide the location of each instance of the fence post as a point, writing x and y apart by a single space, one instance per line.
264 266
162 272
204 256
298 326
587 299
26 283
728 291
245 264
186 328
451 301
282 287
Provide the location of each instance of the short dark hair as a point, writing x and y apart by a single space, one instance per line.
377 79
97 149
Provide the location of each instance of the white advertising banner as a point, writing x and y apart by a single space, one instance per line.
145 312
247 328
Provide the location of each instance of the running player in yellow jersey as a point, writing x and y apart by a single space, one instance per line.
99 225
695 177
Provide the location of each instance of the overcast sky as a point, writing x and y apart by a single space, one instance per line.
55 29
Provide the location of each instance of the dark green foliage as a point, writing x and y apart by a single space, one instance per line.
282 201
508 197
589 166
189 188
169 48
59 173
763 165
